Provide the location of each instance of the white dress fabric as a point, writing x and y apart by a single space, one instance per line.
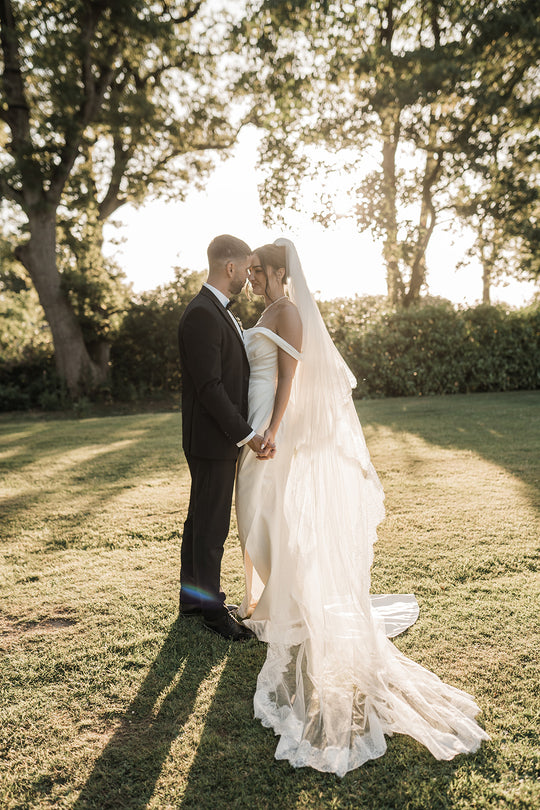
332 685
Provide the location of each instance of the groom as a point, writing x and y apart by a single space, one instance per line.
215 378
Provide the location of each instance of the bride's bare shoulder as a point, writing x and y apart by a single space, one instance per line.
289 324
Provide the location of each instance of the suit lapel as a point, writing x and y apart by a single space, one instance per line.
224 314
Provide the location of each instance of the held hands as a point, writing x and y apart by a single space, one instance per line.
269 440
263 447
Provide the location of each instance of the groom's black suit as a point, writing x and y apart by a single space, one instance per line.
215 379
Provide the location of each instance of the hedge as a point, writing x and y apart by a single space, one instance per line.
432 348
437 349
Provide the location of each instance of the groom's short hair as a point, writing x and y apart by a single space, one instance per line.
226 248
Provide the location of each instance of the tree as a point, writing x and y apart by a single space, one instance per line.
506 247
498 195
102 102
415 81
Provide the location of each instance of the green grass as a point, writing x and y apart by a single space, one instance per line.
107 701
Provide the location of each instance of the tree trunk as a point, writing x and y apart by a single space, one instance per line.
487 251
73 361
390 247
426 225
486 283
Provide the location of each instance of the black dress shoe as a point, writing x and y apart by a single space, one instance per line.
186 610
227 627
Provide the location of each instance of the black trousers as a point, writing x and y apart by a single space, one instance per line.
205 531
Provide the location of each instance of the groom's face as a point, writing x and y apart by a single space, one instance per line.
239 277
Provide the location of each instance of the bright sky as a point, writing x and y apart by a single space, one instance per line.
338 261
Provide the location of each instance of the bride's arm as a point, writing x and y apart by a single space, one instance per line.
289 327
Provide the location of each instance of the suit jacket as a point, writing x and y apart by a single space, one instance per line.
215 380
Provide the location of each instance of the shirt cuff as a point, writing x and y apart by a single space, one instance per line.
246 440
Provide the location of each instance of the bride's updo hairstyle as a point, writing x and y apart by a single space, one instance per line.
272 256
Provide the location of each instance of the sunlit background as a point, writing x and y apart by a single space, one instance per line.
338 261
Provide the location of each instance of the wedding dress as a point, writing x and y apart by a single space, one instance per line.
332 685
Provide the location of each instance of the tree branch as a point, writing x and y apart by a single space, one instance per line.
112 201
94 93
184 18
201 147
17 114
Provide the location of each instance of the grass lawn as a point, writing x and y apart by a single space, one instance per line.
108 701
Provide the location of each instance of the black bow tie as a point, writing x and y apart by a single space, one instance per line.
230 303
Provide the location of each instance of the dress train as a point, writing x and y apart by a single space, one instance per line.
333 685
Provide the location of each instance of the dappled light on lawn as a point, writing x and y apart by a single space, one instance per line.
110 702
91 482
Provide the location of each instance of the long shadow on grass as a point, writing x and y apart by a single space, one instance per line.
503 428
125 774
235 766
123 452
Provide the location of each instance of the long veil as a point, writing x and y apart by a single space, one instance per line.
323 418
333 685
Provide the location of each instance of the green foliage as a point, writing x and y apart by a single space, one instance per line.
433 348
129 93
502 349
144 356
27 376
31 383
102 103
23 329
430 87
95 287
499 196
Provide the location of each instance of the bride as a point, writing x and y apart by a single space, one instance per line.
332 685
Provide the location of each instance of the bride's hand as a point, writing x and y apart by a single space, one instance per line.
263 450
268 447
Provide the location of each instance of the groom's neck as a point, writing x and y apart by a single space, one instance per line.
219 283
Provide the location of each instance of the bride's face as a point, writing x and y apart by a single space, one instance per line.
257 276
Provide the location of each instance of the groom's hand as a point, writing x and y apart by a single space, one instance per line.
261 450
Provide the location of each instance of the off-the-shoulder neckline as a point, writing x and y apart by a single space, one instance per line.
275 335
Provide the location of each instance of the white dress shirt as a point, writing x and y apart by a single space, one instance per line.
222 298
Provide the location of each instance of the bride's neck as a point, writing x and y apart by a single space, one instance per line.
274 296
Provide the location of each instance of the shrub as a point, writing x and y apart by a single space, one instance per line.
433 348
502 349
144 356
31 383
13 399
